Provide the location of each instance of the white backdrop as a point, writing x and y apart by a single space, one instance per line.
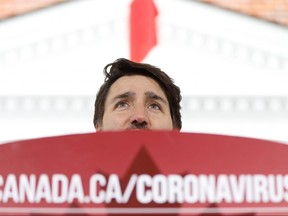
232 69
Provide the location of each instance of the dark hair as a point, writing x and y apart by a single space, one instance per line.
124 67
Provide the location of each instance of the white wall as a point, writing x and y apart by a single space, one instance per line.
232 69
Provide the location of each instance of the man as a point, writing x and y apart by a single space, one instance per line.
137 96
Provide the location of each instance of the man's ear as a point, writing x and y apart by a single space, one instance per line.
98 127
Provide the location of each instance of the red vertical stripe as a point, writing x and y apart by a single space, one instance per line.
142 28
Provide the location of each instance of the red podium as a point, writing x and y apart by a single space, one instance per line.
144 173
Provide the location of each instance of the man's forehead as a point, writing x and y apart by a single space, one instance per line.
147 94
132 86
136 83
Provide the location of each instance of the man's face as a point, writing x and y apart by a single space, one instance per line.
136 102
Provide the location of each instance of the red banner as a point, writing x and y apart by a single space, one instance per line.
139 173
143 33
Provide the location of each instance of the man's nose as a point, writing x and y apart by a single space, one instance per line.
139 114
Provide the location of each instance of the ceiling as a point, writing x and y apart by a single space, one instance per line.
270 10
12 8
275 11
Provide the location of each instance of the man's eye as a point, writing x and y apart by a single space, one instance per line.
155 106
121 105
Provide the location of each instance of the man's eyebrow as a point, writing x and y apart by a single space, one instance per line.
154 96
123 95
